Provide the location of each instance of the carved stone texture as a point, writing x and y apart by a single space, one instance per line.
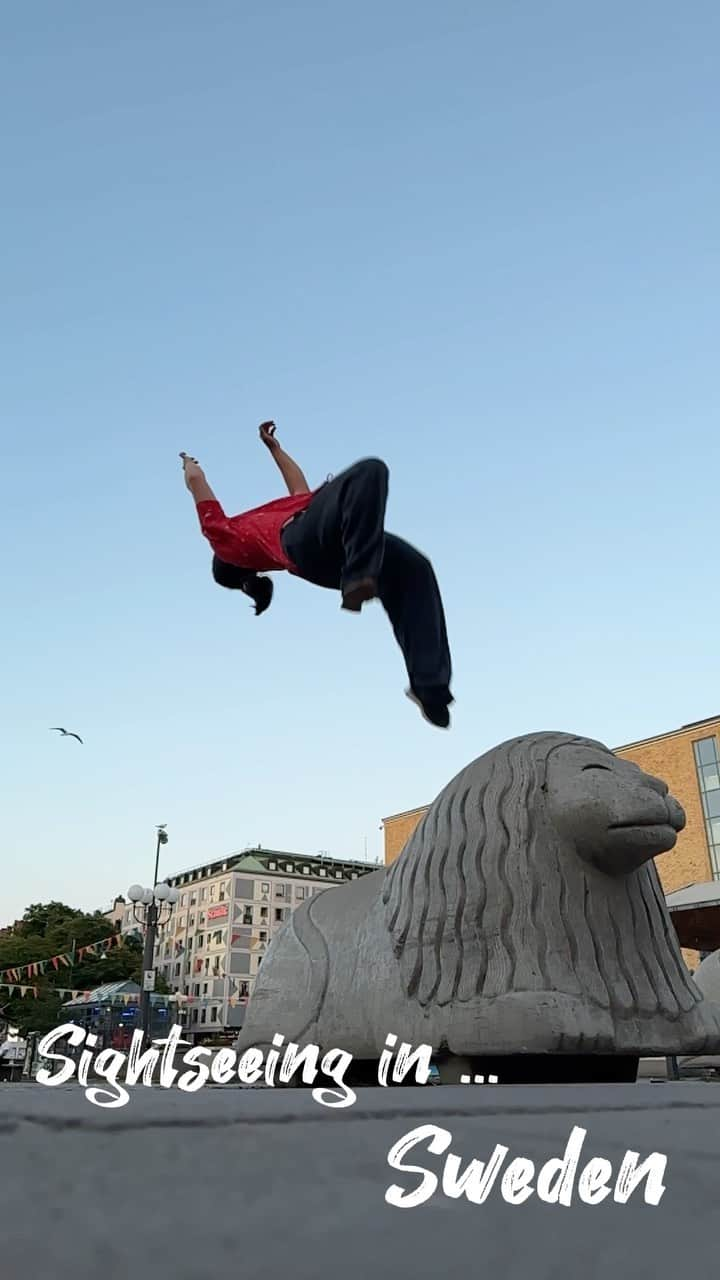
524 916
707 977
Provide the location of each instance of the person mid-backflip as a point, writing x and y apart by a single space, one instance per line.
334 536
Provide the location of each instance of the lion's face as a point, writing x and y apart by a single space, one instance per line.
616 816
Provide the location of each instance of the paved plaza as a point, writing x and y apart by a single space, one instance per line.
264 1182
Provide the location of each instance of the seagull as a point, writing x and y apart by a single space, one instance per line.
65 734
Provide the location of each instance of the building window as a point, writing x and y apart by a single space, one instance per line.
203 1014
195 1015
263 935
198 944
203 894
264 888
205 988
213 1014
177 970
300 891
196 989
244 989
278 915
247 915
707 764
263 914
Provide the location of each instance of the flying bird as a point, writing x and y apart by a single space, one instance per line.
65 734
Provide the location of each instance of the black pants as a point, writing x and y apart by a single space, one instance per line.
340 537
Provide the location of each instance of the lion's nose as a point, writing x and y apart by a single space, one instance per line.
676 813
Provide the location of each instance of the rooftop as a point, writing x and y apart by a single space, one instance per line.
670 733
406 813
110 990
274 862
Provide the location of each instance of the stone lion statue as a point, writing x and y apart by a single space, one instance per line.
707 977
524 916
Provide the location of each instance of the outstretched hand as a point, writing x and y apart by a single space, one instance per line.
267 435
192 469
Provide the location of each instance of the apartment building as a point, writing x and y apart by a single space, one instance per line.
212 946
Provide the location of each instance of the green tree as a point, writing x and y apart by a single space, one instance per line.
50 929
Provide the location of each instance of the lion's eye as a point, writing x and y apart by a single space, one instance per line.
595 766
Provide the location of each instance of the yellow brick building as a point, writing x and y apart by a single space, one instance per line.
688 760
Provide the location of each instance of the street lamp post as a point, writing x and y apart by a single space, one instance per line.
151 902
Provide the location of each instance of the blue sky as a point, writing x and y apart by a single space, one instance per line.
479 240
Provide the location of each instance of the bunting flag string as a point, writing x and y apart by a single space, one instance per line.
37 968
123 997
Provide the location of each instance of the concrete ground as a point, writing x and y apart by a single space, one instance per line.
262 1182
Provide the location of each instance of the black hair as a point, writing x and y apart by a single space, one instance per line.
260 590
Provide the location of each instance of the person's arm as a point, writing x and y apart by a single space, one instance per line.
196 482
214 524
289 469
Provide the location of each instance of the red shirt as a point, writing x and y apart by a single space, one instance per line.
251 540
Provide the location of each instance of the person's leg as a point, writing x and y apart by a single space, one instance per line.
339 538
411 598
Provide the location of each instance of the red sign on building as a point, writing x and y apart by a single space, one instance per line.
217 913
